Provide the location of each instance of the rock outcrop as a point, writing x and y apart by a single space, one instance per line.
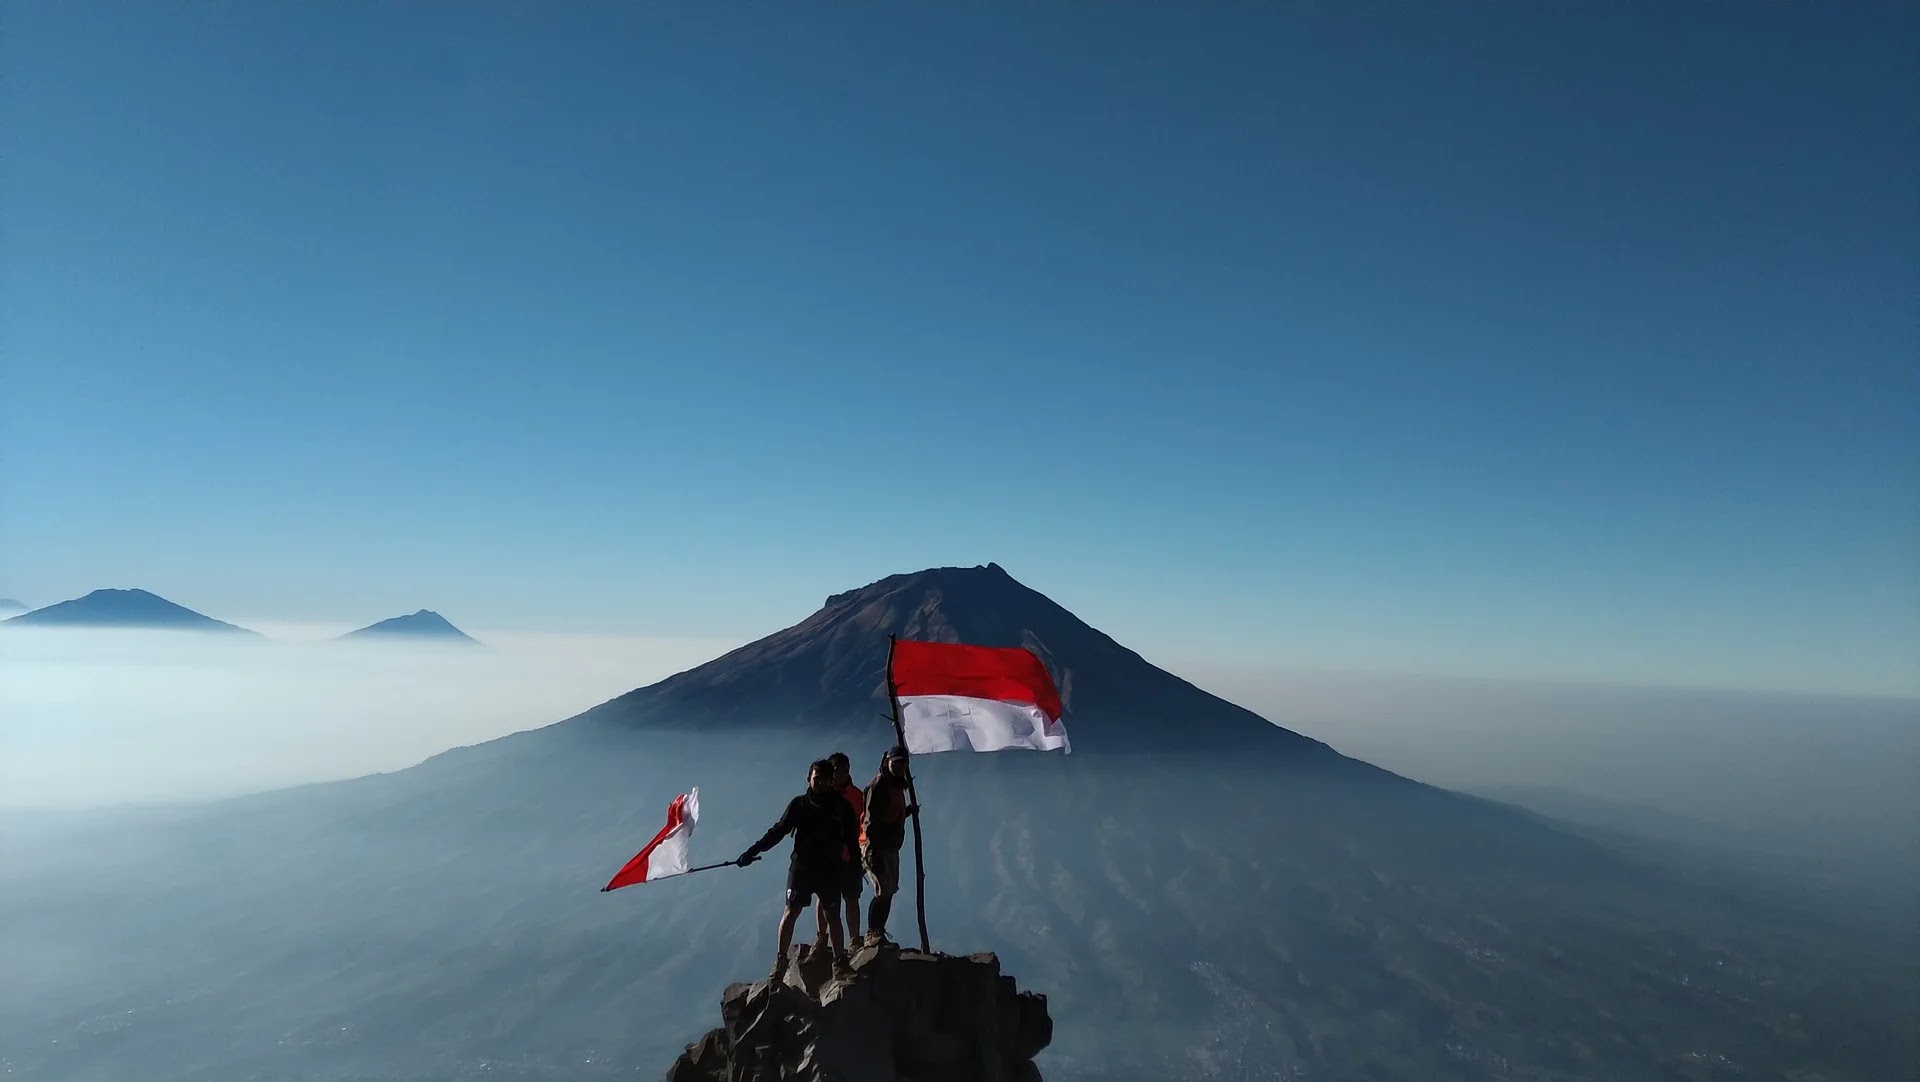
903 1016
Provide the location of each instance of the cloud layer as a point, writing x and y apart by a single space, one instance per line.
106 717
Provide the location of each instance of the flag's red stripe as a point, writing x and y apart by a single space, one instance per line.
1009 673
636 869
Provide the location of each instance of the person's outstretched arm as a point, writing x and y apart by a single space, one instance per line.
780 829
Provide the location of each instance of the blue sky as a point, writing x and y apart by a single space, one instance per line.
1568 342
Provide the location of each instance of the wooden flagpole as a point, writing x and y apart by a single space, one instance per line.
913 798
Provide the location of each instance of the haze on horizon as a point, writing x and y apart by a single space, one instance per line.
103 718
106 717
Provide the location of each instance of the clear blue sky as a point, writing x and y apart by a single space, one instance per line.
1506 339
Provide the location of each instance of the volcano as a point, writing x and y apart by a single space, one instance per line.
827 674
424 624
123 609
1200 894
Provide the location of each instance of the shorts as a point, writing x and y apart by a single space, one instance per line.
804 884
850 880
883 867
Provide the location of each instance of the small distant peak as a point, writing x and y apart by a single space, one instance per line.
421 623
114 607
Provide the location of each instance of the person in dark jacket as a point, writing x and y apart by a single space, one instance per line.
850 878
824 834
886 831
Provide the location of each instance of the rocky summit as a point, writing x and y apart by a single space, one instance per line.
901 1016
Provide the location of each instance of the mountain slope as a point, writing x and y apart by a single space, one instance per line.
423 624
1277 911
8 604
828 672
123 609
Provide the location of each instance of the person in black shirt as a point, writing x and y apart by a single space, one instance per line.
825 834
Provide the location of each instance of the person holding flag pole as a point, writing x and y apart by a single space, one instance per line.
825 835
945 697
950 696
888 806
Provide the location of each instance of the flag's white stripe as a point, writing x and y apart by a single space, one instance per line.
961 723
670 857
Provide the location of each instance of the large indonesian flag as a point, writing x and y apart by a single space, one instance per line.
955 697
667 853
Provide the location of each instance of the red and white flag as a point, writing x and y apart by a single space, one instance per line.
667 853
955 697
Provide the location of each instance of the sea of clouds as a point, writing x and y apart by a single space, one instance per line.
103 717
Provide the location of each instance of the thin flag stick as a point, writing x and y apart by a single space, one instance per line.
919 868
689 871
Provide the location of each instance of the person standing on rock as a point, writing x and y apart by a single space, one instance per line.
824 833
850 881
882 834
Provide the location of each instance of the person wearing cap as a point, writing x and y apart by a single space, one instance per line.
884 831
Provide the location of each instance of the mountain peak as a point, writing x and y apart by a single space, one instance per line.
829 670
123 608
420 624
982 593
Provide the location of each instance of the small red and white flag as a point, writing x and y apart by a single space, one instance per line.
667 853
956 697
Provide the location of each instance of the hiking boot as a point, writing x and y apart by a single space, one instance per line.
842 969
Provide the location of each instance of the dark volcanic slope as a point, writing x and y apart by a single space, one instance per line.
828 672
424 624
123 608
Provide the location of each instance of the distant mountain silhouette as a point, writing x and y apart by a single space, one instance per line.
8 604
124 608
424 624
829 671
